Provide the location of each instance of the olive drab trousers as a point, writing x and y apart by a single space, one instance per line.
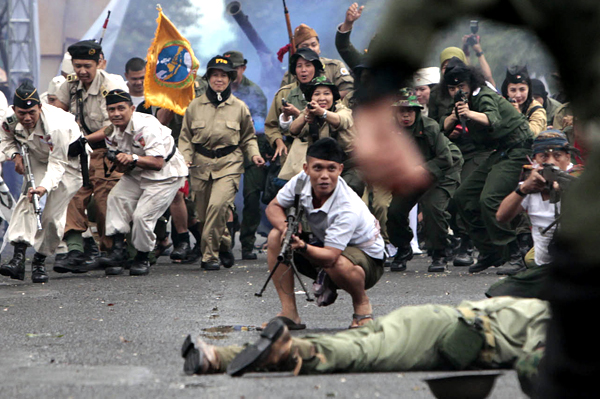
479 197
214 204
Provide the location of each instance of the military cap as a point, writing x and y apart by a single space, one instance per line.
326 149
117 96
222 63
517 74
408 98
321 81
456 72
85 50
302 33
308 55
237 58
26 96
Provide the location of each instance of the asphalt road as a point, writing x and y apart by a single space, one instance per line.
90 336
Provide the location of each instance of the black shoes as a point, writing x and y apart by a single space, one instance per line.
181 252
73 262
90 248
227 259
464 255
115 262
193 255
272 351
438 264
515 264
402 256
141 265
249 255
486 261
15 268
212 265
38 270
200 358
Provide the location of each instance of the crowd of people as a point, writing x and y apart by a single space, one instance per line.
486 157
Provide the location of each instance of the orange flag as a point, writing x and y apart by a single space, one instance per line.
170 69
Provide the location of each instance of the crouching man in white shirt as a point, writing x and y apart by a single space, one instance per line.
348 247
154 170
533 195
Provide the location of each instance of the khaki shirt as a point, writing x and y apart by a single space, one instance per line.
94 104
146 136
294 96
48 142
217 127
335 70
345 133
537 119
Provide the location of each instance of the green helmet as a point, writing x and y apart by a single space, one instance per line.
321 81
407 98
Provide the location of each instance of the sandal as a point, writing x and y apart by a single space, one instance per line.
359 318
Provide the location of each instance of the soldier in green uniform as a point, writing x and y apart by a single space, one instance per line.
488 334
443 161
496 125
255 178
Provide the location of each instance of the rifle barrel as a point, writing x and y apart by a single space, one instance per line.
235 10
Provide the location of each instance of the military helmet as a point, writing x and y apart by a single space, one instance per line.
308 55
222 63
321 81
407 98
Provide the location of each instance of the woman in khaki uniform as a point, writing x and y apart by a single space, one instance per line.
217 132
325 116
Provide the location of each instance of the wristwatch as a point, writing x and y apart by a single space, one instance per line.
324 116
303 249
519 192
135 159
479 54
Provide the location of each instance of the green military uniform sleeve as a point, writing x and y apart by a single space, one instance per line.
440 160
351 56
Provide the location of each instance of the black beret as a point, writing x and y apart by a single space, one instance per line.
456 72
326 149
26 96
85 50
308 55
117 96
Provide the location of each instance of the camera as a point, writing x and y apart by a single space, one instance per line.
472 39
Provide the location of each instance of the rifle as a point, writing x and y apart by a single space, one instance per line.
31 183
289 29
104 27
458 97
551 174
286 255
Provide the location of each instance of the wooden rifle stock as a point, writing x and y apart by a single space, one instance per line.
289 29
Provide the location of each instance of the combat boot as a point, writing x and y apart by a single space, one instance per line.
73 262
515 264
438 264
464 257
15 268
402 256
90 248
181 252
38 270
227 259
486 261
114 263
141 264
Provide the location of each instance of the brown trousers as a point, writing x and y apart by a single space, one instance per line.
102 182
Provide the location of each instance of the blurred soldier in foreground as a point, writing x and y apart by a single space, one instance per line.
47 132
154 170
573 288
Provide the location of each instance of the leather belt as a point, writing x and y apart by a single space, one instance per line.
218 153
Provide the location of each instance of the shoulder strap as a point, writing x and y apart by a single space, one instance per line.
532 110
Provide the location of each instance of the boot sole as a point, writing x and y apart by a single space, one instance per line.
192 356
19 276
133 272
247 359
